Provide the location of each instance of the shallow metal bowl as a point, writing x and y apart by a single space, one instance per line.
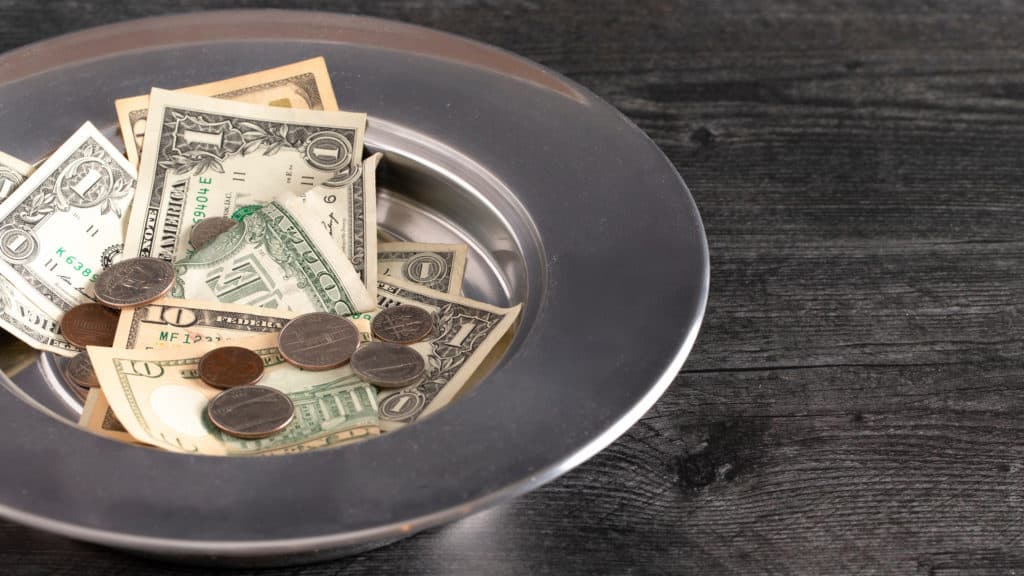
567 207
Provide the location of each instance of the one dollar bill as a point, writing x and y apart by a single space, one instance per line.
305 85
464 333
278 257
159 399
19 316
27 322
64 224
207 157
435 266
12 173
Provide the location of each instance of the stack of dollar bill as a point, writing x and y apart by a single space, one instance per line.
271 151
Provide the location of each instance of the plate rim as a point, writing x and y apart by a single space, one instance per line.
59 46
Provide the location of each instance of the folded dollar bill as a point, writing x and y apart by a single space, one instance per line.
349 215
278 257
464 333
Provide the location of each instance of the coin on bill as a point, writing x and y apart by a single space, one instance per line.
402 324
230 366
251 411
388 365
207 229
134 282
318 341
89 324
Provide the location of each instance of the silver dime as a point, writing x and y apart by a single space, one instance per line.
402 324
250 411
78 371
204 231
318 341
388 365
134 282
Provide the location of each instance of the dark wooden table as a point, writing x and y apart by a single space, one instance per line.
854 401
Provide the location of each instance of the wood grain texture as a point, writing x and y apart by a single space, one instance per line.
854 402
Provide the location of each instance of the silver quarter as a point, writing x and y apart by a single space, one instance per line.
402 324
388 365
206 230
318 341
250 411
134 282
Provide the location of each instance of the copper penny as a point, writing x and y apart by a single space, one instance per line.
251 411
388 365
318 341
89 324
402 324
78 370
230 366
134 282
207 229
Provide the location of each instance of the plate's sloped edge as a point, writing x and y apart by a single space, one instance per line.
123 37
268 24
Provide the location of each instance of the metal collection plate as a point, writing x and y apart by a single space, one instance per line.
481 147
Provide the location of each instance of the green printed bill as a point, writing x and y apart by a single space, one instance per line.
64 225
438 267
278 257
12 174
303 84
160 400
349 216
27 322
464 333
208 157
170 322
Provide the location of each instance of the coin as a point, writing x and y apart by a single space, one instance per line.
230 366
78 371
250 411
82 393
318 341
134 282
209 228
402 324
89 324
388 365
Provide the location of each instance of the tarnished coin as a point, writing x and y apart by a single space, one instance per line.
82 393
402 324
388 365
318 341
89 324
230 366
79 372
209 228
134 282
250 411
